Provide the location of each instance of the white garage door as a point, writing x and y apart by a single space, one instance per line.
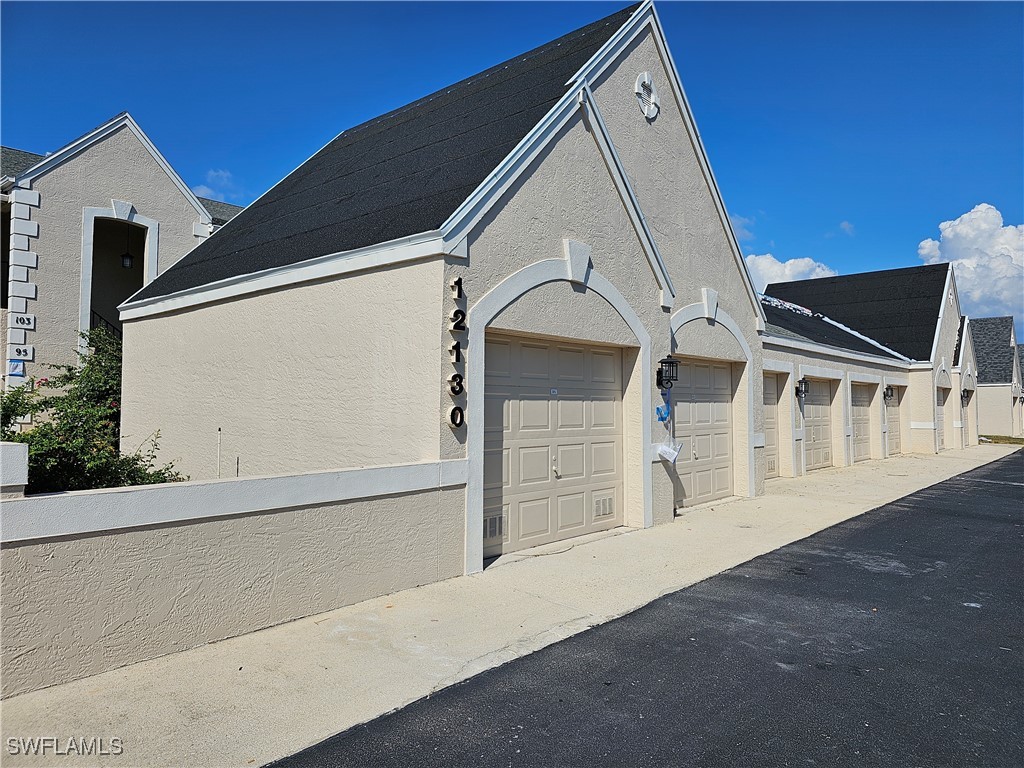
818 425
771 425
702 400
860 400
940 417
553 442
892 418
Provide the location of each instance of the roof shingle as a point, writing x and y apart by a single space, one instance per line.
897 307
992 349
400 174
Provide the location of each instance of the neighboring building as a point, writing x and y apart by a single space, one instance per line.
493 278
84 228
912 317
1001 400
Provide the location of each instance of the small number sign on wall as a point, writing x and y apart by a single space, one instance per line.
455 383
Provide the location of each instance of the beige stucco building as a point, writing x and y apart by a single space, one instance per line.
496 277
1000 396
84 228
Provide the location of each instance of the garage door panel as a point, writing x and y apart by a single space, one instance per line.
498 359
534 465
572 511
771 424
558 448
571 414
702 415
496 467
860 401
534 361
603 413
817 410
605 367
571 365
605 459
496 414
534 517
534 413
571 460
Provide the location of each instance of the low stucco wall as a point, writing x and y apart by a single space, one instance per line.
80 605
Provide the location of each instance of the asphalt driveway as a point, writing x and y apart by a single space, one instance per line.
893 639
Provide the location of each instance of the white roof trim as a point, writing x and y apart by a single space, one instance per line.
942 311
824 349
454 230
78 146
604 142
644 16
412 248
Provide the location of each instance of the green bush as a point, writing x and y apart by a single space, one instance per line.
75 444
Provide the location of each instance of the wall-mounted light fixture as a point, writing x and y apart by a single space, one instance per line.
668 371
126 258
801 388
965 395
888 393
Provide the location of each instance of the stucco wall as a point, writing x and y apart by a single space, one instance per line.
332 374
78 606
995 415
661 159
852 372
117 167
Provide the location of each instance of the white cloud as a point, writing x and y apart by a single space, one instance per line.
208 192
765 269
743 227
987 259
847 227
220 185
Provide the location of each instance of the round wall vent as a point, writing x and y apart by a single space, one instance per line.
647 95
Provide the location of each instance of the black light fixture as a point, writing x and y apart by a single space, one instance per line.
126 258
801 388
965 395
888 393
668 371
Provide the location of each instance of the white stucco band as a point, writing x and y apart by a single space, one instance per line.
709 309
480 316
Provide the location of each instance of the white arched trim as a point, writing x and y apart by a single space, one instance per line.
699 311
709 309
942 378
480 316
124 212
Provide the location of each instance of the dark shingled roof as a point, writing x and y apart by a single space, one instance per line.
959 340
992 349
897 307
397 175
796 325
14 161
221 212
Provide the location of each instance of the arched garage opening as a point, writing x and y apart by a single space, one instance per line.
591 357
713 407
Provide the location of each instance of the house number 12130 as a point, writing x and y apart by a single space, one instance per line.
455 383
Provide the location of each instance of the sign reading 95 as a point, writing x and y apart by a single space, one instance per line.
455 384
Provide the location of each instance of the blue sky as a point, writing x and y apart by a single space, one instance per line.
841 134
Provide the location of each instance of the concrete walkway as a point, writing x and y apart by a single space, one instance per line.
258 697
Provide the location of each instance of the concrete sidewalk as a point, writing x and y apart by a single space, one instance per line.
255 698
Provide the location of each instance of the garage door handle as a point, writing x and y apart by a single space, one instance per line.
554 466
